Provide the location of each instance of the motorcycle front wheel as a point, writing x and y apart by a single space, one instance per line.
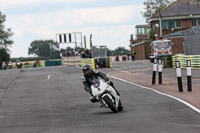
110 104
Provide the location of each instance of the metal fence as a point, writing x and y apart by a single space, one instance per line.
99 51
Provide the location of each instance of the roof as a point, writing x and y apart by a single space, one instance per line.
192 31
180 8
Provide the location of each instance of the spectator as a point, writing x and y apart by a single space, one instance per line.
83 55
133 55
35 64
4 65
18 64
10 65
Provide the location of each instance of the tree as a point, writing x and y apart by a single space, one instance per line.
44 48
152 38
120 51
5 40
4 56
197 1
5 34
109 52
152 7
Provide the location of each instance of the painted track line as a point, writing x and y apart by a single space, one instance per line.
49 76
7 91
180 100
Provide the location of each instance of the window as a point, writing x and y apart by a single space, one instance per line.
148 30
164 25
199 21
178 24
169 24
194 22
143 31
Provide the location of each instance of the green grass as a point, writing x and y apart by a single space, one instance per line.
28 66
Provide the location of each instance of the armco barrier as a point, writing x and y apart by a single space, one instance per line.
53 63
195 60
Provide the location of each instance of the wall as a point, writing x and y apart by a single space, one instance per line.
141 50
191 45
141 37
72 60
177 47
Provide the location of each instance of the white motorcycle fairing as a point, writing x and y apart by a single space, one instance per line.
102 90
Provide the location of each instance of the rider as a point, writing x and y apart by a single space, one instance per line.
89 75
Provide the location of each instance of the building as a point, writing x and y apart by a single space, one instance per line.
191 37
140 44
178 16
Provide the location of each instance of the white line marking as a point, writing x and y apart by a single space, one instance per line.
7 91
10 85
78 66
180 100
49 77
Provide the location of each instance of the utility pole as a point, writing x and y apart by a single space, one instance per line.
160 22
91 42
85 43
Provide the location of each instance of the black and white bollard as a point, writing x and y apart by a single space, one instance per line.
189 76
160 71
179 78
154 71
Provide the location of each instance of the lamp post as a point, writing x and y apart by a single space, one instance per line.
160 21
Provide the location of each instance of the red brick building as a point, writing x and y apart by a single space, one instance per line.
140 44
179 16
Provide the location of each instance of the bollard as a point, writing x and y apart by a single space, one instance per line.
154 71
179 78
189 76
160 71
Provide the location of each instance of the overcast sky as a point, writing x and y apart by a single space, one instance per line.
109 21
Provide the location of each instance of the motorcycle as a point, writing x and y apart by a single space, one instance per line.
19 65
106 95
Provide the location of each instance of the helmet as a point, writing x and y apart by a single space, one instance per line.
87 70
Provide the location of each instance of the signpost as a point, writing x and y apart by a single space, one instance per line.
74 37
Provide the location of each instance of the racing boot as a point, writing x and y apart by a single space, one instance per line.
93 99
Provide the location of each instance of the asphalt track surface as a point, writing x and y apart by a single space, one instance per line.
52 100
